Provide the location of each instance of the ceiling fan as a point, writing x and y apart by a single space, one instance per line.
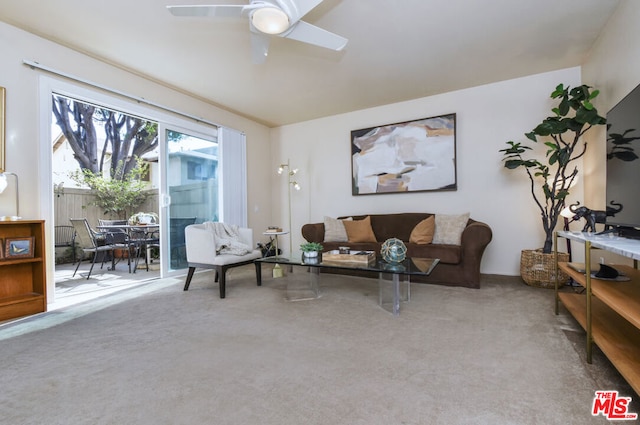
267 18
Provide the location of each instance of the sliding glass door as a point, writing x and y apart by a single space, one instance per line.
196 169
191 187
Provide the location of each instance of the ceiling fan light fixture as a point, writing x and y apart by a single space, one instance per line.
270 20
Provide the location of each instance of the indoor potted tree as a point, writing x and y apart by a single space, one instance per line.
551 178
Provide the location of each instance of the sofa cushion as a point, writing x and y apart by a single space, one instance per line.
399 225
447 254
334 230
423 232
359 230
449 228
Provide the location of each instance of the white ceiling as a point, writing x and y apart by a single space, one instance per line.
398 50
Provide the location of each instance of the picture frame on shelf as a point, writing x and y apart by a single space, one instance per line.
411 156
18 247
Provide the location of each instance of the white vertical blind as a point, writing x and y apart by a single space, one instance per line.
233 176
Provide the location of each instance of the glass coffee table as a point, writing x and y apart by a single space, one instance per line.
394 279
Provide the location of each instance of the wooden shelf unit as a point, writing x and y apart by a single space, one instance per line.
23 287
609 311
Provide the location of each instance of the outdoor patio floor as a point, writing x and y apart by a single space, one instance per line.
76 289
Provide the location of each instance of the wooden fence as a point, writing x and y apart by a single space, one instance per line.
191 200
78 203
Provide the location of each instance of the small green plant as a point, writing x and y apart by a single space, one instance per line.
310 247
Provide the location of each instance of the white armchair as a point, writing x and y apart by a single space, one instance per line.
201 253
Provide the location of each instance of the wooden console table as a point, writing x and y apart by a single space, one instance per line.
608 310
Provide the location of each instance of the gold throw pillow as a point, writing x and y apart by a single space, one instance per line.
360 230
423 232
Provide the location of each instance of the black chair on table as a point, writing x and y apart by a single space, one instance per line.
65 236
121 236
102 222
144 241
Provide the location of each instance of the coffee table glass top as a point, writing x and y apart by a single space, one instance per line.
410 266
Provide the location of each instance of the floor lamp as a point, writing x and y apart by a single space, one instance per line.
3 186
290 183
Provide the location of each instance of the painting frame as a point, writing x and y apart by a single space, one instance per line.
411 156
19 247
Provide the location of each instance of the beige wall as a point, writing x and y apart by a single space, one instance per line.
614 68
487 117
24 141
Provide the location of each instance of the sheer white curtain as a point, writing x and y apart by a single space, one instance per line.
233 175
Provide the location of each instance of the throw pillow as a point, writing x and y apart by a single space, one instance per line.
334 230
449 228
360 230
423 232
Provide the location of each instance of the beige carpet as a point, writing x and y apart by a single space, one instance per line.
158 355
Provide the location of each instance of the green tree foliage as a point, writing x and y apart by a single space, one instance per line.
119 197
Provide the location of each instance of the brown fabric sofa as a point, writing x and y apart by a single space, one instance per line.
459 264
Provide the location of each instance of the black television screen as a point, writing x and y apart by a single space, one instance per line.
623 164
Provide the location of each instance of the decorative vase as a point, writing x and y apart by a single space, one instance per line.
310 254
393 250
538 269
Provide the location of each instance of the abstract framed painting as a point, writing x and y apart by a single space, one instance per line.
411 156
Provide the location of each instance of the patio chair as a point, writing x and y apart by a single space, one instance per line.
89 243
144 240
129 243
177 243
103 222
201 253
65 236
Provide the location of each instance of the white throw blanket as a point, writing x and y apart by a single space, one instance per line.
228 239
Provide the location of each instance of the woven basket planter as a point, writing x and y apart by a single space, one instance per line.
538 269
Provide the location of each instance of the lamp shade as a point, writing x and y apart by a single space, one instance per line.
3 186
270 20
566 212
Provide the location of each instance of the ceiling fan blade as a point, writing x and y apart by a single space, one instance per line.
218 11
259 47
311 34
302 7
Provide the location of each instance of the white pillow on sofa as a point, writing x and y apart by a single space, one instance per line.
449 228
334 230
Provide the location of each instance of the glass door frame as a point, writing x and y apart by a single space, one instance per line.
195 130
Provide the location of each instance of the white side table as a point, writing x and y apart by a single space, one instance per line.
277 270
